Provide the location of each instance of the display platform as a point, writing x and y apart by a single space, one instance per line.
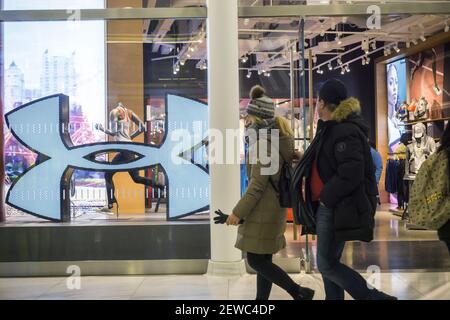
100 243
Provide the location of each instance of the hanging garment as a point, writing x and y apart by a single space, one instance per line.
391 176
401 185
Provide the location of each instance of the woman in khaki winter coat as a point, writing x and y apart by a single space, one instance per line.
262 233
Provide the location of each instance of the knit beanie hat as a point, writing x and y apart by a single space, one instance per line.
333 92
260 105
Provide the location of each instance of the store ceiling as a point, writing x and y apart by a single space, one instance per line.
266 40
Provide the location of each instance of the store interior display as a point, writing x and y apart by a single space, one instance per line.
416 90
420 149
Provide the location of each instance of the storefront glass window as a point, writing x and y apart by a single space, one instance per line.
148 67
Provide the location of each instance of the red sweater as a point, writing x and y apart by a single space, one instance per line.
316 183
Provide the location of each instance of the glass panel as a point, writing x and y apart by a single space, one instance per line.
122 77
52 4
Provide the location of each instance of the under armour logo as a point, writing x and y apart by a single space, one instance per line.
43 190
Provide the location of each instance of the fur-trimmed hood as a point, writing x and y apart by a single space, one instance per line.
345 109
349 111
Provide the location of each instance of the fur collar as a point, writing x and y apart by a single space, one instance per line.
345 109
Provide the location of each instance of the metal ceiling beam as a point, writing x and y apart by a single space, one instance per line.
342 10
201 12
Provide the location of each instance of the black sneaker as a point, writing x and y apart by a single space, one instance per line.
304 294
378 295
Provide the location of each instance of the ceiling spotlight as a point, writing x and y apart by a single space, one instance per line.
192 49
188 55
367 60
365 45
422 37
396 48
330 67
319 71
408 44
388 50
322 31
249 74
244 59
260 72
177 68
314 59
374 45
338 40
415 42
342 71
363 61
333 24
200 40
267 74
182 62
339 60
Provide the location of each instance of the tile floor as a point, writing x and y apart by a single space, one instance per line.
406 286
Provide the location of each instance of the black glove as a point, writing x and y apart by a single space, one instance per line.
222 217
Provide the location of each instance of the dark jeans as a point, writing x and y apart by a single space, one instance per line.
337 277
268 273
123 157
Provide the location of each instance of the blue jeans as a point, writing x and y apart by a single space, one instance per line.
337 277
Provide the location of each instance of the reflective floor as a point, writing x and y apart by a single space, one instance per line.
406 286
395 248
413 265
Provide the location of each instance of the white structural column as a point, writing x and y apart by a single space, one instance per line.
223 97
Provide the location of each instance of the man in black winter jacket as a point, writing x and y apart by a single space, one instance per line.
342 183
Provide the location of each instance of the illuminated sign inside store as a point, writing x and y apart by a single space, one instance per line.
43 190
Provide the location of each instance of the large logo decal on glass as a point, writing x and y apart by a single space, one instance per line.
43 190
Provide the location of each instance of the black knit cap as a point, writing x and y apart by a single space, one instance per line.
333 92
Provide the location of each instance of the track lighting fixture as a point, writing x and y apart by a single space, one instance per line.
422 37
330 67
244 59
249 74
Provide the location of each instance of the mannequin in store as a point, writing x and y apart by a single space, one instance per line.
120 122
421 112
420 149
